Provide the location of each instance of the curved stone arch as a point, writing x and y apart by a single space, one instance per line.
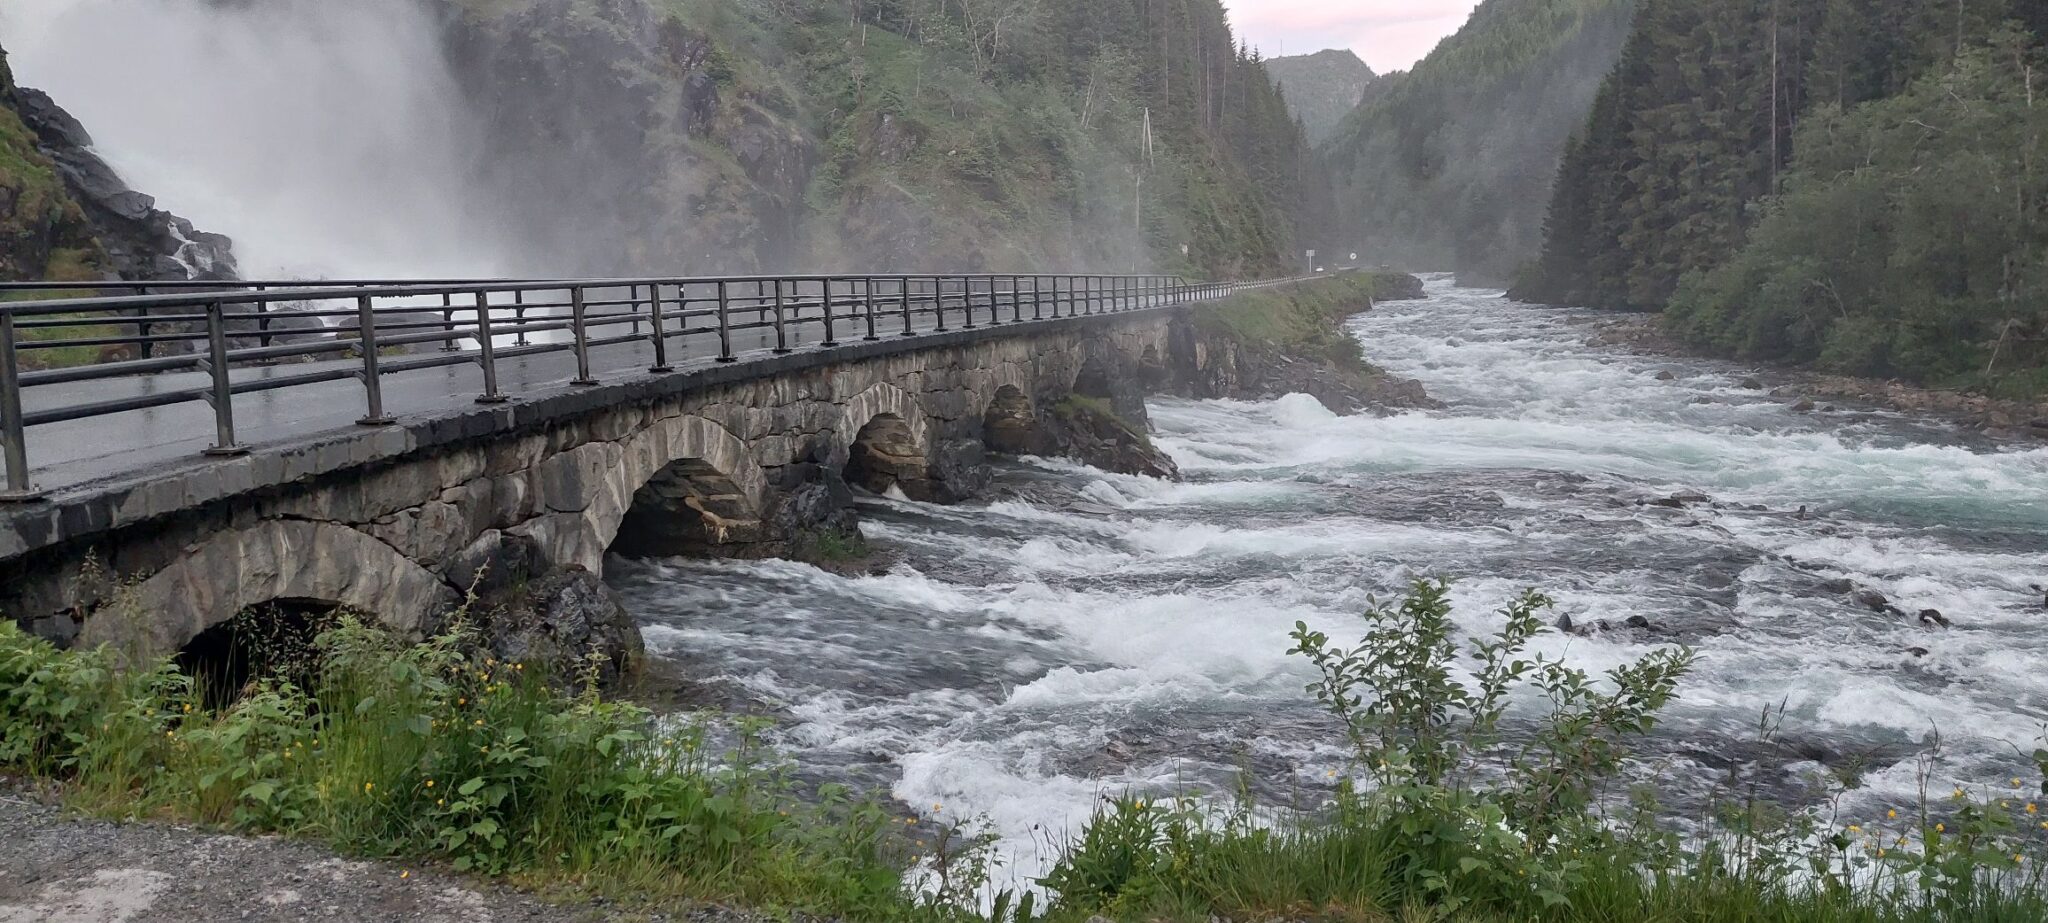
271 561
667 441
863 408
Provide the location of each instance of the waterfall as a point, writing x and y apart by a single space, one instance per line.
329 139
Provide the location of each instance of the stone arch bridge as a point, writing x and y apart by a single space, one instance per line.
741 445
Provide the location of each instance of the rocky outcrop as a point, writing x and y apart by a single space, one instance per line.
136 240
1087 430
1210 364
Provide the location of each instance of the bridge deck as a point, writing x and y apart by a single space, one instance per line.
97 464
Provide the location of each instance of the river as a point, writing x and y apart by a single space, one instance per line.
1078 634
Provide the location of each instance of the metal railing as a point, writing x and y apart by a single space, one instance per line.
369 330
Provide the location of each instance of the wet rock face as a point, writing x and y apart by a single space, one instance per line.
1087 431
141 241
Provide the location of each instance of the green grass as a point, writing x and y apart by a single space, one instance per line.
1305 319
429 753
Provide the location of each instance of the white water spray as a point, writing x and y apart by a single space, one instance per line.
329 139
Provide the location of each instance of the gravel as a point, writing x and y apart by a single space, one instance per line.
60 868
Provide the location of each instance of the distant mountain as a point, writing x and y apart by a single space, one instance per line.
1449 166
1321 88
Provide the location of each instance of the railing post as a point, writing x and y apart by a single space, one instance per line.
995 305
1037 303
657 331
939 303
220 393
967 302
725 324
581 331
831 336
903 293
519 317
781 320
13 434
487 351
868 287
373 387
448 322
262 319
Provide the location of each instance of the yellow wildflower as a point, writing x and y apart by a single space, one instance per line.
405 874
2033 808
1892 814
369 785
1853 828
1940 828
430 783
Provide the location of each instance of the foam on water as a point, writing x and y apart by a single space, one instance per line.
1083 633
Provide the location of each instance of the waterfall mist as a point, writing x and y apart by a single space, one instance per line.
329 139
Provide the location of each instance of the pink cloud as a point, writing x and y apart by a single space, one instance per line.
1388 34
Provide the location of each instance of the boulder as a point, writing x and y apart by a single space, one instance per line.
569 624
1088 432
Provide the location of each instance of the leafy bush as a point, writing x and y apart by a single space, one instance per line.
433 751
1449 820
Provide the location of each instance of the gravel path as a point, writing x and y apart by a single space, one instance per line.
59 868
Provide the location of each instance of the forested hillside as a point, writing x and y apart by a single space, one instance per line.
1858 182
1449 166
1321 88
890 134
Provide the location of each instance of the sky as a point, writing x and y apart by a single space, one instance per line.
1388 34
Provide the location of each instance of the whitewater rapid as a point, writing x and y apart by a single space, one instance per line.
1081 634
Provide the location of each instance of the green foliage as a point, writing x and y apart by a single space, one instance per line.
1447 167
1321 88
429 751
1441 833
1909 241
43 233
1305 319
1728 116
984 135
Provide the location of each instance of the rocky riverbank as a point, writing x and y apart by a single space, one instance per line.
1808 390
1266 344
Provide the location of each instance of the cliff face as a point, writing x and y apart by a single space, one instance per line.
66 216
667 136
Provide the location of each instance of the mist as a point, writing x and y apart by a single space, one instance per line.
329 139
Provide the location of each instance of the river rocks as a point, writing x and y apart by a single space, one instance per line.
1666 375
1803 405
1871 599
1933 618
1085 429
570 624
1751 383
1681 500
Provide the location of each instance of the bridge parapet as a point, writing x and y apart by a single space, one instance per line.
598 433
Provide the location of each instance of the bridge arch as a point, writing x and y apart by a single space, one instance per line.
274 561
682 482
1009 422
887 442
